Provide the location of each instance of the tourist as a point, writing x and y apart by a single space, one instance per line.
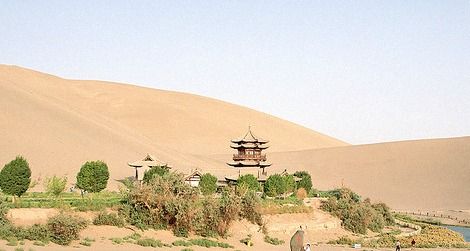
398 246
307 248
413 242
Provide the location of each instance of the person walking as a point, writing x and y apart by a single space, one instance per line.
413 243
307 248
398 246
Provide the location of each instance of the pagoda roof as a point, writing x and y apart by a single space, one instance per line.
248 145
250 138
148 161
260 176
249 163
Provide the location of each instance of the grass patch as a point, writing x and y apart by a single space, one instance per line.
117 240
111 219
39 243
179 243
202 242
273 240
149 242
12 241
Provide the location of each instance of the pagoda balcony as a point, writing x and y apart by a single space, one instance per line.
257 157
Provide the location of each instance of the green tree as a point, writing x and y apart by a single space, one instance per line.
306 180
248 181
93 176
15 177
154 171
55 185
275 185
290 183
208 184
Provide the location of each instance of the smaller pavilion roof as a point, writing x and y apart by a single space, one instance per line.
148 161
192 174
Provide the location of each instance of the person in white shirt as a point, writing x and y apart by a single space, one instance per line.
307 248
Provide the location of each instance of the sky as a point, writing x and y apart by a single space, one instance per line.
360 71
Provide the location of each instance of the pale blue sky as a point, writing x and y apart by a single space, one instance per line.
361 71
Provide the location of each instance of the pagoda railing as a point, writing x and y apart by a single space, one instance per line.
258 157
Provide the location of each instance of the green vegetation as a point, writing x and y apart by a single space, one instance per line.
277 185
149 242
99 202
87 241
248 181
208 184
305 182
356 215
93 176
55 185
291 204
111 219
155 171
65 228
272 240
167 202
15 177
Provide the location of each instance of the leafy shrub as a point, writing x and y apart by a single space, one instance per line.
273 240
65 228
289 183
38 232
15 177
149 242
305 182
275 185
155 171
248 181
168 202
181 243
343 240
208 184
357 216
55 185
202 242
93 176
111 219
251 208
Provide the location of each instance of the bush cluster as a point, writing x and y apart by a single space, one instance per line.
168 202
305 182
65 228
111 219
208 184
356 215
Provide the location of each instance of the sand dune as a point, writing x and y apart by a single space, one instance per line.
422 174
58 124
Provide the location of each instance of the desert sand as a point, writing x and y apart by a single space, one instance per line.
58 124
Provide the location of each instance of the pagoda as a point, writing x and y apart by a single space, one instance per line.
249 153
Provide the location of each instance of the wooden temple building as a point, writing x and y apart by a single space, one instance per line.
249 158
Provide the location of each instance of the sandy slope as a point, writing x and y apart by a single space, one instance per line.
426 174
58 124
421 174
